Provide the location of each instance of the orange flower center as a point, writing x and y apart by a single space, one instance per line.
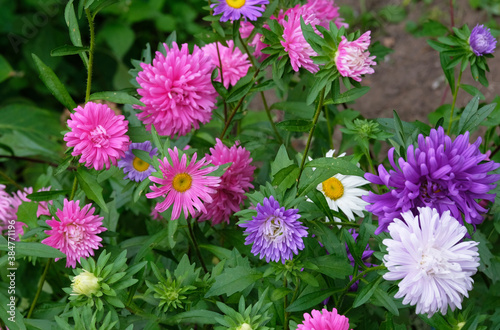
140 165
236 4
182 182
333 188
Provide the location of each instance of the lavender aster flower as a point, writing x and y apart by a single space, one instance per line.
275 232
481 41
439 173
234 9
135 168
427 253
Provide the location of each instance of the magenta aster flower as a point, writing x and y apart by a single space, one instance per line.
177 91
295 44
324 320
185 186
136 169
75 232
325 11
352 58
234 9
235 64
481 41
98 135
275 232
439 173
428 254
235 181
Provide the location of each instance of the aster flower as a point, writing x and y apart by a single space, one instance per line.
275 232
439 173
324 320
481 41
98 135
75 232
235 181
185 186
234 9
177 90
428 254
353 59
235 64
325 11
136 169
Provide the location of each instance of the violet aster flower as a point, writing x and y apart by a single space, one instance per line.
234 9
275 232
185 186
367 253
235 182
353 58
177 90
98 135
135 168
428 254
439 173
75 233
481 41
324 320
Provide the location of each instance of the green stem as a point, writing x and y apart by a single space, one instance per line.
268 112
195 243
455 93
329 126
73 189
39 290
221 78
285 305
369 158
309 138
90 18
11 181
347 224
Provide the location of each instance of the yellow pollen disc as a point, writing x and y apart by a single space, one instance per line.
333 188
182 182
236 4
140 165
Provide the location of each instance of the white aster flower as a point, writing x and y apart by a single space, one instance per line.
427 253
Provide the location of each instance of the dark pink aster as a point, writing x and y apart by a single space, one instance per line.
177 90
75 232
439 173
275 232
324 320
98 135
235 182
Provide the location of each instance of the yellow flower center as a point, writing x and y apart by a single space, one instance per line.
333 188
140 165
182 182
236 4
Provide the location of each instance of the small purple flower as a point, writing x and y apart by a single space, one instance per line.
275 232
439 173
367 253
135 168
481 41
234 9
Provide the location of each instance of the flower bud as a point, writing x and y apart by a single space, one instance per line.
245 326
86 283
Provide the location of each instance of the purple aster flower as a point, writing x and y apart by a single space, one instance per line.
367 253
481 41
135 168
234 9
439 173
275 232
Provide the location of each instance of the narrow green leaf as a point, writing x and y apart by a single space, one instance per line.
366 292
68 50
295 125
307 301
233 280
35 249
385 300
143 155
195 316
239 93
332 267
351 95
47 195
120 97
91 187
336 165
5 69
140 189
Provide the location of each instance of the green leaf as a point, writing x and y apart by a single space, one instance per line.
295 125
366 292
35 249
68 50
91 187
233 280
297 109
307 301
5 69
472 91
72 23
120 97
240 92
219 252
53 83
437 321
143 155
471 118
351 95
140 189
336 165
281 161
385 300
195 316
332 266
286 177
47 195
119 36
27 213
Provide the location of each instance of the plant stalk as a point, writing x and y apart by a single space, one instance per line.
455 93
39 290
195 243
90 18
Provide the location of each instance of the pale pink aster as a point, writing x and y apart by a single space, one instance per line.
353 59
75 232
295 44
325 11
177 90
185 186
98 135
324 320
5 208
235 182
235 64
155 215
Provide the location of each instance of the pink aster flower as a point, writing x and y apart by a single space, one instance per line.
177 90
235 64
185 186
235 181
324 320
325 11
352 58
98 135
295 44
234 9
75 232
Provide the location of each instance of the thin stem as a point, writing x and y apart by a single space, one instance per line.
90 18
221 78
10 180
250 57
311 132
329 126
33 160
73 189
195 243
268 112
495 151
285 305
39 290
370 163
346 224
455 93
452 16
